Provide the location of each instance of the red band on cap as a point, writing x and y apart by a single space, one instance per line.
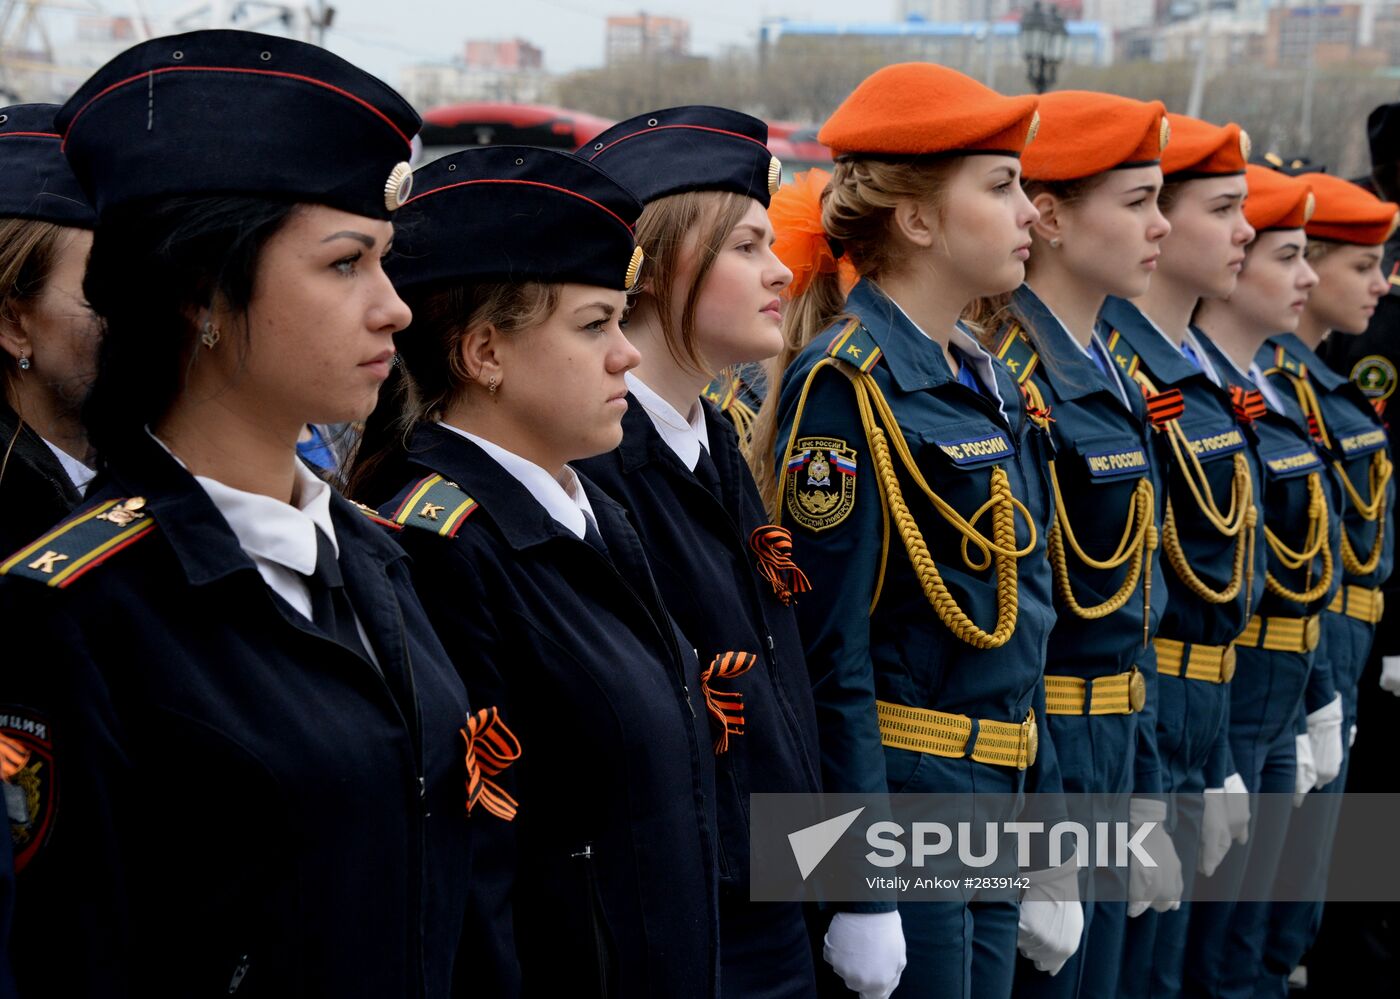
658 128
527 183
32 135
250 72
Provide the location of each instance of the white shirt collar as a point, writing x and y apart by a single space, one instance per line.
277 531
567 503
78 473
685 435
974 352
268 528
1255 374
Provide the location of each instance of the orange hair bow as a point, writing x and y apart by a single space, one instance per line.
801 243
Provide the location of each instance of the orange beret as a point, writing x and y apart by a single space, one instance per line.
920 108
1200 149
1347 213
1087 133
1276 200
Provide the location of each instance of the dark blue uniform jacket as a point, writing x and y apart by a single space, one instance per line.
608 872
221 799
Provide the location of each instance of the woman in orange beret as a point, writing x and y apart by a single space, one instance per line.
1094 174
1346 237
1207 542
911 478
1277 654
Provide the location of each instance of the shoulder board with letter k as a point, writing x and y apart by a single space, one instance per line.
1017 354
434 504
1123 355
81 543
855 346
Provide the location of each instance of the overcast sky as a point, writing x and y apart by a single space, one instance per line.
383 35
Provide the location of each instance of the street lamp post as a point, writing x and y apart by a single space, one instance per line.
1044 41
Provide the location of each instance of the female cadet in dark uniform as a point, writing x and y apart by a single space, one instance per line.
1278 649
247 757
709 300
47 332
537 583
1346 235
1093 173
888 403
1208 537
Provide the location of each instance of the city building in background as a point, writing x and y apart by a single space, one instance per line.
487 70
645 37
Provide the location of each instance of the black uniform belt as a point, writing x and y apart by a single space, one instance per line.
1120 694
1361 602
1210 663
940 733
1281 634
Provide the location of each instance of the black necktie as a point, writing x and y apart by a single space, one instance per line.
593 537
330 604
708 474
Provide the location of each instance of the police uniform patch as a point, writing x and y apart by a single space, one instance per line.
1375 376
821 482
31 789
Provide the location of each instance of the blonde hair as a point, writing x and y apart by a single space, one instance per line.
662 232
857 208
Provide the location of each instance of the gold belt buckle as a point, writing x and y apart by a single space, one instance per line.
1137 690
1030 736
1312 632
1227 664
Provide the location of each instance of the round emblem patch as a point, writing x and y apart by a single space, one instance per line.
1375 376
30 787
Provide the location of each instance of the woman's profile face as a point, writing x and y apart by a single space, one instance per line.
985 237
62 333
1274 286
320 322
1350 284
561 382
1206 249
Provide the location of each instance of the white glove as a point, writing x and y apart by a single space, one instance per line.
1237 804
1215 831
1351 739
1157 887
1325 734
867 950
1390 674
1305 777
1051 920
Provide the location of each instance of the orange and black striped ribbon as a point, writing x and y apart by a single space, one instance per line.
1039 415
13 756
1164 406
1314 428
773 546
1249 404
491 747
727 708
1379 406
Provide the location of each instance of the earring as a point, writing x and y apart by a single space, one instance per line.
491 385
209 335
1055 243
24 364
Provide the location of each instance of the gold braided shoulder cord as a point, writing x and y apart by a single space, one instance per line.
1238 522
1315 544
741 414
1378 477
999 550
1137 543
